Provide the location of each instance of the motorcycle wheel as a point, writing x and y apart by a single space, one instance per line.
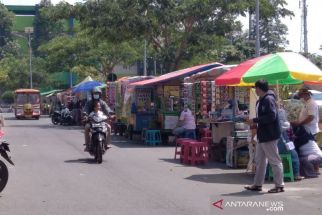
4 174
99 153
54 120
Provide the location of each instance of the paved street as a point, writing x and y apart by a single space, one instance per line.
53 175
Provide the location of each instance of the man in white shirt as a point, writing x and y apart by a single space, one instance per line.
187 120
309 116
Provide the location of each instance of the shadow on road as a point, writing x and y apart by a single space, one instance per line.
123 142
82 160
210 165
244 193
223 178
46 126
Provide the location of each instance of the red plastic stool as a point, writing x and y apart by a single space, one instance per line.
198 152
178 143
207 140
206 132
185 150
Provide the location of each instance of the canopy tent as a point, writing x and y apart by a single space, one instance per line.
279 68
209 75
49 93
180 74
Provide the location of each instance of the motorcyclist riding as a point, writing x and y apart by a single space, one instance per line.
89 107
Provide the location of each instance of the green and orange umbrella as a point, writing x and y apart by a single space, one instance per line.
278 68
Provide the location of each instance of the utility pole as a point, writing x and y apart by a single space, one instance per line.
144 61
257 47
71 26
304 44
29 31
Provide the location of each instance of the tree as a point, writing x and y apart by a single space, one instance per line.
6 24
176 30
14 73
45 28
81 52
8 97
272 30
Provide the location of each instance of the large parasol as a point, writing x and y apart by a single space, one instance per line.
279 68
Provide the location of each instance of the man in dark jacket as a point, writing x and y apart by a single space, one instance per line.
268 134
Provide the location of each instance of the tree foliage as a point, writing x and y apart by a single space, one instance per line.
272 31
178 31
8 97
6 24
66 53
45 28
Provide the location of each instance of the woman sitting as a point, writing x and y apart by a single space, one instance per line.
286 146
309 152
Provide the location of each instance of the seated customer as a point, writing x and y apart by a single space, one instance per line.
309 152
187 120
286 146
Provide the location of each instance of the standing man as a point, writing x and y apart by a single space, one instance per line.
309 116
268 134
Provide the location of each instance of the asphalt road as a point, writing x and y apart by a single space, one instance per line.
53 175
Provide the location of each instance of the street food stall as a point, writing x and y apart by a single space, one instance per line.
167 92
278 69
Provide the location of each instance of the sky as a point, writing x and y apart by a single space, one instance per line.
294 25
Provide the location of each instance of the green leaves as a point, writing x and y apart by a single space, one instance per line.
6 24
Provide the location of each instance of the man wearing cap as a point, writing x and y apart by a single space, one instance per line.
309 116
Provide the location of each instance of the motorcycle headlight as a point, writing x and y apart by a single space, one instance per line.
96 125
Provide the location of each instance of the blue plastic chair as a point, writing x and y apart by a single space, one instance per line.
153 137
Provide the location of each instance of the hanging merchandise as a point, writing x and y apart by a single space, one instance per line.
213 96
143 99
242 95
222 96
172 98
206 98
111 94
197 91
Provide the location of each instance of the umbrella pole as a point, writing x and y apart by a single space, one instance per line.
278 94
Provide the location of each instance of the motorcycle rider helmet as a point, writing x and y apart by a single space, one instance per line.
96 93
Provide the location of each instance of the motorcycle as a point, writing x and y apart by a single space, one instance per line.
4 173
98 132
62 117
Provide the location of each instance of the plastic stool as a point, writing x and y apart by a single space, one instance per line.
206 132
153 137
287 167
185 150
179 141
198 152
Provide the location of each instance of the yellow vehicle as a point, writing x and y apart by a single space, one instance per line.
27 103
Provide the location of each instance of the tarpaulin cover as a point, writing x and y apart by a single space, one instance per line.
180 74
